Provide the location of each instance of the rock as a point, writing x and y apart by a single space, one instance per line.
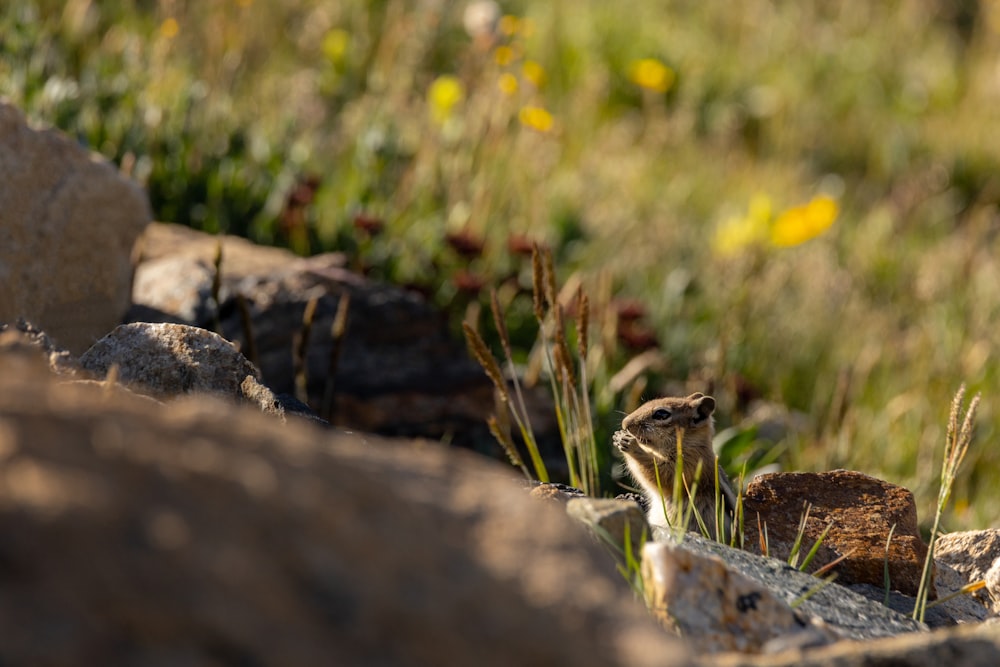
199 532
713 606
169 360
968 646
69 223
400 371
944 613
863 509
972 554
710 590
612 520
25 333
993 585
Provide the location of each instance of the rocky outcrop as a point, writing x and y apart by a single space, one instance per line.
67 227
196 532
862 510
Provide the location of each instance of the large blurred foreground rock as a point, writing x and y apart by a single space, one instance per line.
200 533
67 226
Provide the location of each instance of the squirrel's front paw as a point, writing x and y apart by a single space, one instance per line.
624 441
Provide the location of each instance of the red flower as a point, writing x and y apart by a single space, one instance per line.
465 244
368 224
468 282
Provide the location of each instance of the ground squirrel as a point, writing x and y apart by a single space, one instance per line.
648 440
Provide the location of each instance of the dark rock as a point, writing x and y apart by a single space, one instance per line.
399 371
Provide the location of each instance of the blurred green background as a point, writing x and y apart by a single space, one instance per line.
795 203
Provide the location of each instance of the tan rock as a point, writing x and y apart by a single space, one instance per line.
711 605
971 555
67 227
200 533
169 360
862 509
612 520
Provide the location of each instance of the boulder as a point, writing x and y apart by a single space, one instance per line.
861 508
165 361
972 556
67 228
725 599
198 532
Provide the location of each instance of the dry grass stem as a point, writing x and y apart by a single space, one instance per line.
956 446
338 331
246 322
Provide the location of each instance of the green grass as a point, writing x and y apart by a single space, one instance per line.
224 108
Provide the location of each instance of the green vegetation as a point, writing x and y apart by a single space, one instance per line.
796 201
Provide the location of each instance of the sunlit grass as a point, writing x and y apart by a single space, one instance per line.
801 195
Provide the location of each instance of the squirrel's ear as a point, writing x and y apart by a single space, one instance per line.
704 406
695 396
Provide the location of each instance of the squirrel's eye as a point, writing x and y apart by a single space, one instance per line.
661 414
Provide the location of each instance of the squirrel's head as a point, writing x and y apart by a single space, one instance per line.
658 422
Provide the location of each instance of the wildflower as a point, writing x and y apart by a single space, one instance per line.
534 73
520 244
368 225
444 94
629 310
509 25
503 55
335 45
536 118
801 223
507 83
636 337
651 74
739 232
169 28
468 282
465 244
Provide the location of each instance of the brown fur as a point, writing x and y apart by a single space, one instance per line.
649 438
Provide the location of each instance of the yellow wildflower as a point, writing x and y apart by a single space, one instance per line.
507 83
739 232
651 74
503 55
534 73
335 45
509 25
536 118
801 223
444 94
169 28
